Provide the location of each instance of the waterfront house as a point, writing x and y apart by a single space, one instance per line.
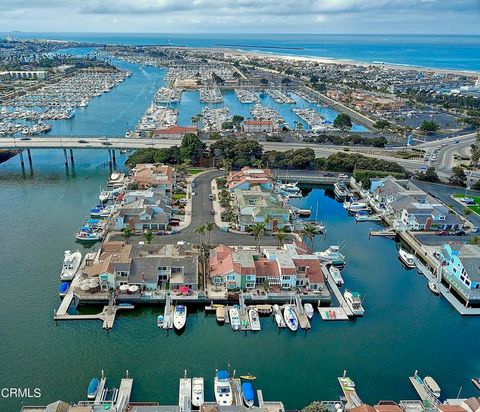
162 177
247 177
150 267
259 206
427 216
174 132
243 268
389 189
140 218
462 262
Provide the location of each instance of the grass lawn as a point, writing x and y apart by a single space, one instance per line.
177 196
194 171
474 208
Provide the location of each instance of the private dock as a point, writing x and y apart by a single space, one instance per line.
332 313
244 319
423 392
236 391
302 317
185 394
349 392
344 309
168 313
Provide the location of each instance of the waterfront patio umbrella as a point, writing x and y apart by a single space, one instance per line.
184 289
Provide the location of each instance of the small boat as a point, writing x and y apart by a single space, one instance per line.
234 318
89 236
331 256
354 302
366 217
104 196
197 392
63 289
431 386
223 389
71 263
290 318
476 382
340 190
248 394
355 206
159 321
336 276
93 388
179 316
254 319
308 308
277 313
406 258
304 212
220 313
115 175
433 286
248 377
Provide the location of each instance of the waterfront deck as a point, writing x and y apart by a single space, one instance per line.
185 394
424 395
350 393
338 295
331 314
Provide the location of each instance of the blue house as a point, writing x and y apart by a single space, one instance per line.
463 263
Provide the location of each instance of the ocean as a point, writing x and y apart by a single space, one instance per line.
431 51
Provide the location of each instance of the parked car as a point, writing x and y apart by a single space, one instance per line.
210 196
459 233
329 175
25 138
343 176
212 212
194 184
193 193
82 141
442 233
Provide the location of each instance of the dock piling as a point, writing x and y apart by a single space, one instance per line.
71 156
114 157
65 156
22 162
29 153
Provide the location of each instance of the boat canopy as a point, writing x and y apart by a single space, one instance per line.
63 287
222 375
247 389
93 221
432 384
92 387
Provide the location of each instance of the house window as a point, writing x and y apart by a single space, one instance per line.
162 268
301 269
176 269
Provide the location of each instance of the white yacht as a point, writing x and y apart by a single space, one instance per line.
340 189
336 276
234 315
354 301
197 392
406 258
355 206
433 286
290 317
180 317
331 256
277 313
223 389
71 263
308 308
254 319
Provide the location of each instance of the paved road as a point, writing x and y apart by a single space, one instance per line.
443 193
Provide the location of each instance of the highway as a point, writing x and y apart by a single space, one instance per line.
119 143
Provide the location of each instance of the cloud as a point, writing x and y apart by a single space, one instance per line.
244 15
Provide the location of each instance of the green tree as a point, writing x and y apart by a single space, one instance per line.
148 235
458 176
315 406
258 231
281 235
127 232
209 226
309 231
343 122
200 231
381 124
430 175
429 126
192 148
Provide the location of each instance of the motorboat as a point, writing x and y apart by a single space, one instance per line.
331 256
248 394
234 315
89 236
160 321
197 392
71 263
431 386
355 206
433 286
354 302
304 212
336 276
179 317
104 196
254 319
63 289
290 318
220 314
367 217
308 308
277 314
223 388
93 388
406 258
340 190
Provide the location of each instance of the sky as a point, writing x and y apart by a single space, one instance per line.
243 16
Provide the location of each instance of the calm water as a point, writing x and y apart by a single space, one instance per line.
405 326
446 52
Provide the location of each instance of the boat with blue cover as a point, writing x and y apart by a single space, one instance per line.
248 394
63 289
93 388
223 388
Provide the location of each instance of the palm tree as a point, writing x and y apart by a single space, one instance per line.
127 232
209 226
148 235
258 230
310 231
280 235
200 230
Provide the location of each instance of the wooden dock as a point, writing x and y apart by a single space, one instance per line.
101 391
338 295
123 395
332 313
302 317
168 314
424 395
236 391
185 395
350 392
